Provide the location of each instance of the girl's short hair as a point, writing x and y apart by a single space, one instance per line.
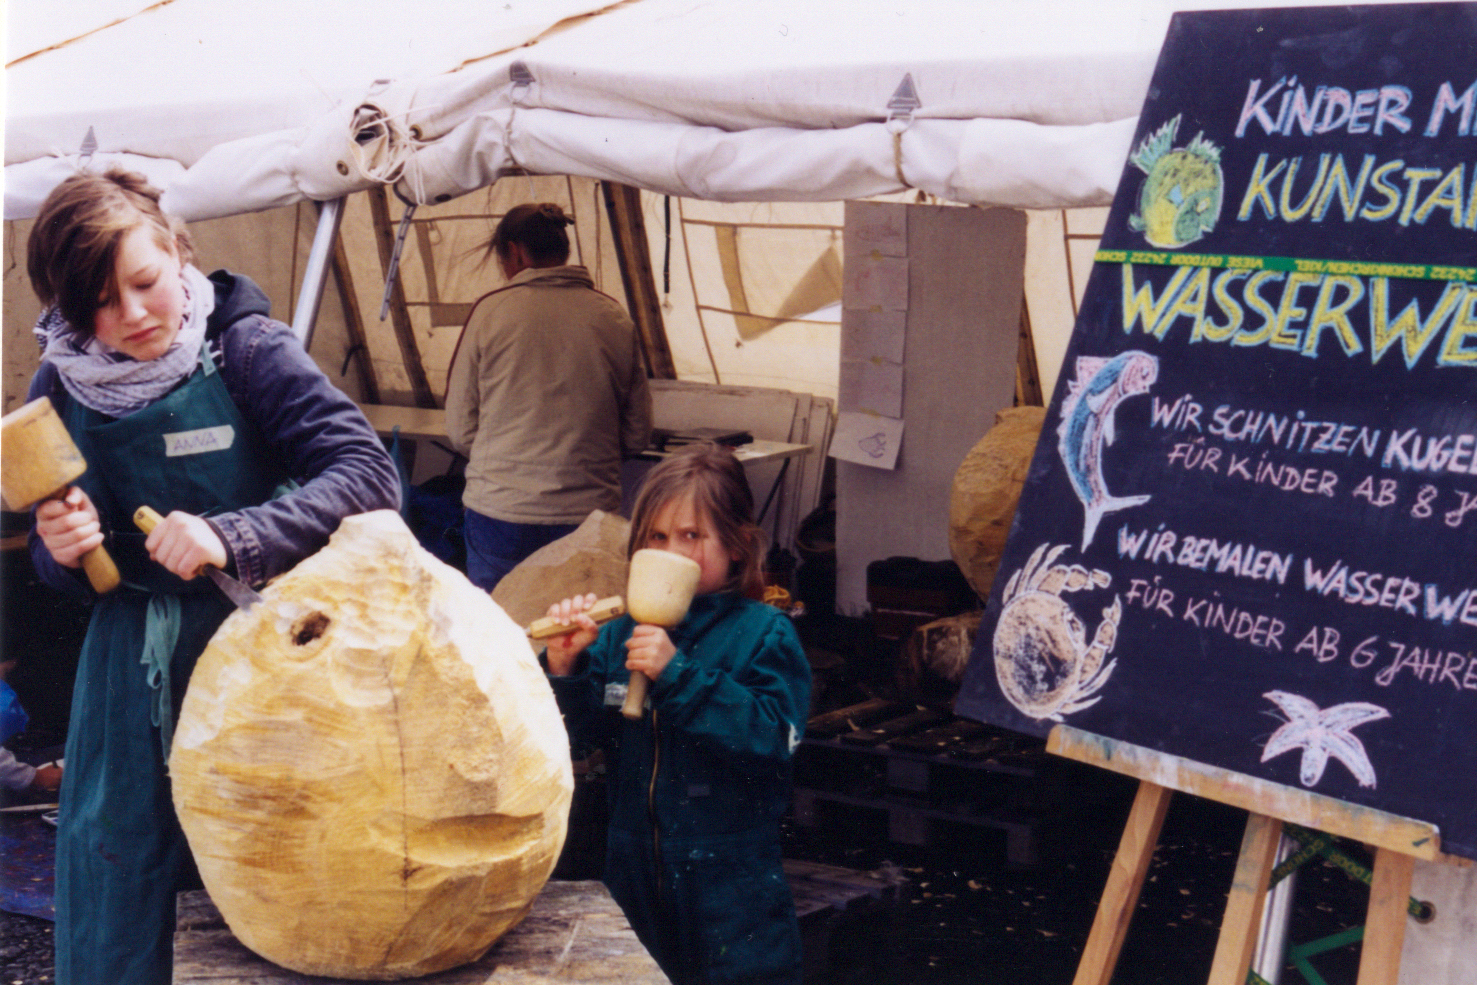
539 228
72 255
715 479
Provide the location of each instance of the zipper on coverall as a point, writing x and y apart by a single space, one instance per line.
656 834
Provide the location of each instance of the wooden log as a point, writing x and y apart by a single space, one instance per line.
986 489
370 766
852 717
934 657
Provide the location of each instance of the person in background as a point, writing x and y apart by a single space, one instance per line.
547 394
700 782
182 394
14 774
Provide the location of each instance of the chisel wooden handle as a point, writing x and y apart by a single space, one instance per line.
602 611
101 571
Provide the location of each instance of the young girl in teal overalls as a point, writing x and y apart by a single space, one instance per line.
699 784
183 395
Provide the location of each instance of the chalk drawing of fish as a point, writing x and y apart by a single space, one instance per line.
1087 425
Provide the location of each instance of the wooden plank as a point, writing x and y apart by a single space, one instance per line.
574 933
343 279
1366 824
1125 881
1384 925
876 735
1027 377
939 741
1248 896
878 884
410 354
850 718
628 228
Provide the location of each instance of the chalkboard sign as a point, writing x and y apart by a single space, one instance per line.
1249 532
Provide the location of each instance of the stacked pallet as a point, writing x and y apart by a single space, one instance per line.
922 768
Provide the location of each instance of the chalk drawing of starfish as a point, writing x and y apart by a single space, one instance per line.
1323 733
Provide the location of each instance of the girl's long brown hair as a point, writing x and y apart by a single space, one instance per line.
715 480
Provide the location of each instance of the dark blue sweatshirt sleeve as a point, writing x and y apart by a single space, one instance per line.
323 442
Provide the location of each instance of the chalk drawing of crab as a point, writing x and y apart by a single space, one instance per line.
1043 661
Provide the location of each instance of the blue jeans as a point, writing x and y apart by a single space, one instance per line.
494 547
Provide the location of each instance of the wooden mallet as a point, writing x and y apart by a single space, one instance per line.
659 589
40 461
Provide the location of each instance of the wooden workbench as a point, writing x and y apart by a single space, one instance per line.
575 933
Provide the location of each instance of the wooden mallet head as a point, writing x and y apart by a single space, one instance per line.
659 590
39 462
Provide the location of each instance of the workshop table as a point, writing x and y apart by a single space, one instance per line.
574 933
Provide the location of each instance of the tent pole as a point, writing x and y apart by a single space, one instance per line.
623 203
305 315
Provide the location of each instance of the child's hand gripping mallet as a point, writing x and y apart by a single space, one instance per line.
42 462
658 591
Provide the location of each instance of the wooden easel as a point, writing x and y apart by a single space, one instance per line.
1398 842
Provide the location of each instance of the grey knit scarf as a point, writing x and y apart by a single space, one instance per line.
115 384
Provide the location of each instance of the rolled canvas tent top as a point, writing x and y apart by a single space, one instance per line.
241 107
746 124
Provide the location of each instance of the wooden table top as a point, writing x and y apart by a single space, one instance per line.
574 934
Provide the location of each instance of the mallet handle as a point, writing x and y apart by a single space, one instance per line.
604 610
101 570
635 695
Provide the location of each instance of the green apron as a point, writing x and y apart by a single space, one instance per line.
121 856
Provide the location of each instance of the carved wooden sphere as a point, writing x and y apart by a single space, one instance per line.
370 766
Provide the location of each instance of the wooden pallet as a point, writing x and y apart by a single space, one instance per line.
885 756
846 916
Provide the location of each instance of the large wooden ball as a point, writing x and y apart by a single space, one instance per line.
370 766
986 489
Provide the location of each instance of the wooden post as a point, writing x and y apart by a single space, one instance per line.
1384 925
354 320
1125 881
410 354
1027 376
1243 919
623 204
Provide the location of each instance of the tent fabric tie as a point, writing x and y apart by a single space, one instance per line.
161 633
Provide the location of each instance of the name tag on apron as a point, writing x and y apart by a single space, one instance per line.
199 441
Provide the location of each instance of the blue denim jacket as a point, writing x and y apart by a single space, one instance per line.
322 437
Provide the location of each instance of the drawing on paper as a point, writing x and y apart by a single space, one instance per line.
1087 425
874 445
1180 200
1321 733
1043 661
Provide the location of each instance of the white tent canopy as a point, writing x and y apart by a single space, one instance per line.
240 107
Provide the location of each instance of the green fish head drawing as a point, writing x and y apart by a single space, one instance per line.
1180 200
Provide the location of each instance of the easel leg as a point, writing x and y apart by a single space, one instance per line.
1244 904
1384 925
1125 881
